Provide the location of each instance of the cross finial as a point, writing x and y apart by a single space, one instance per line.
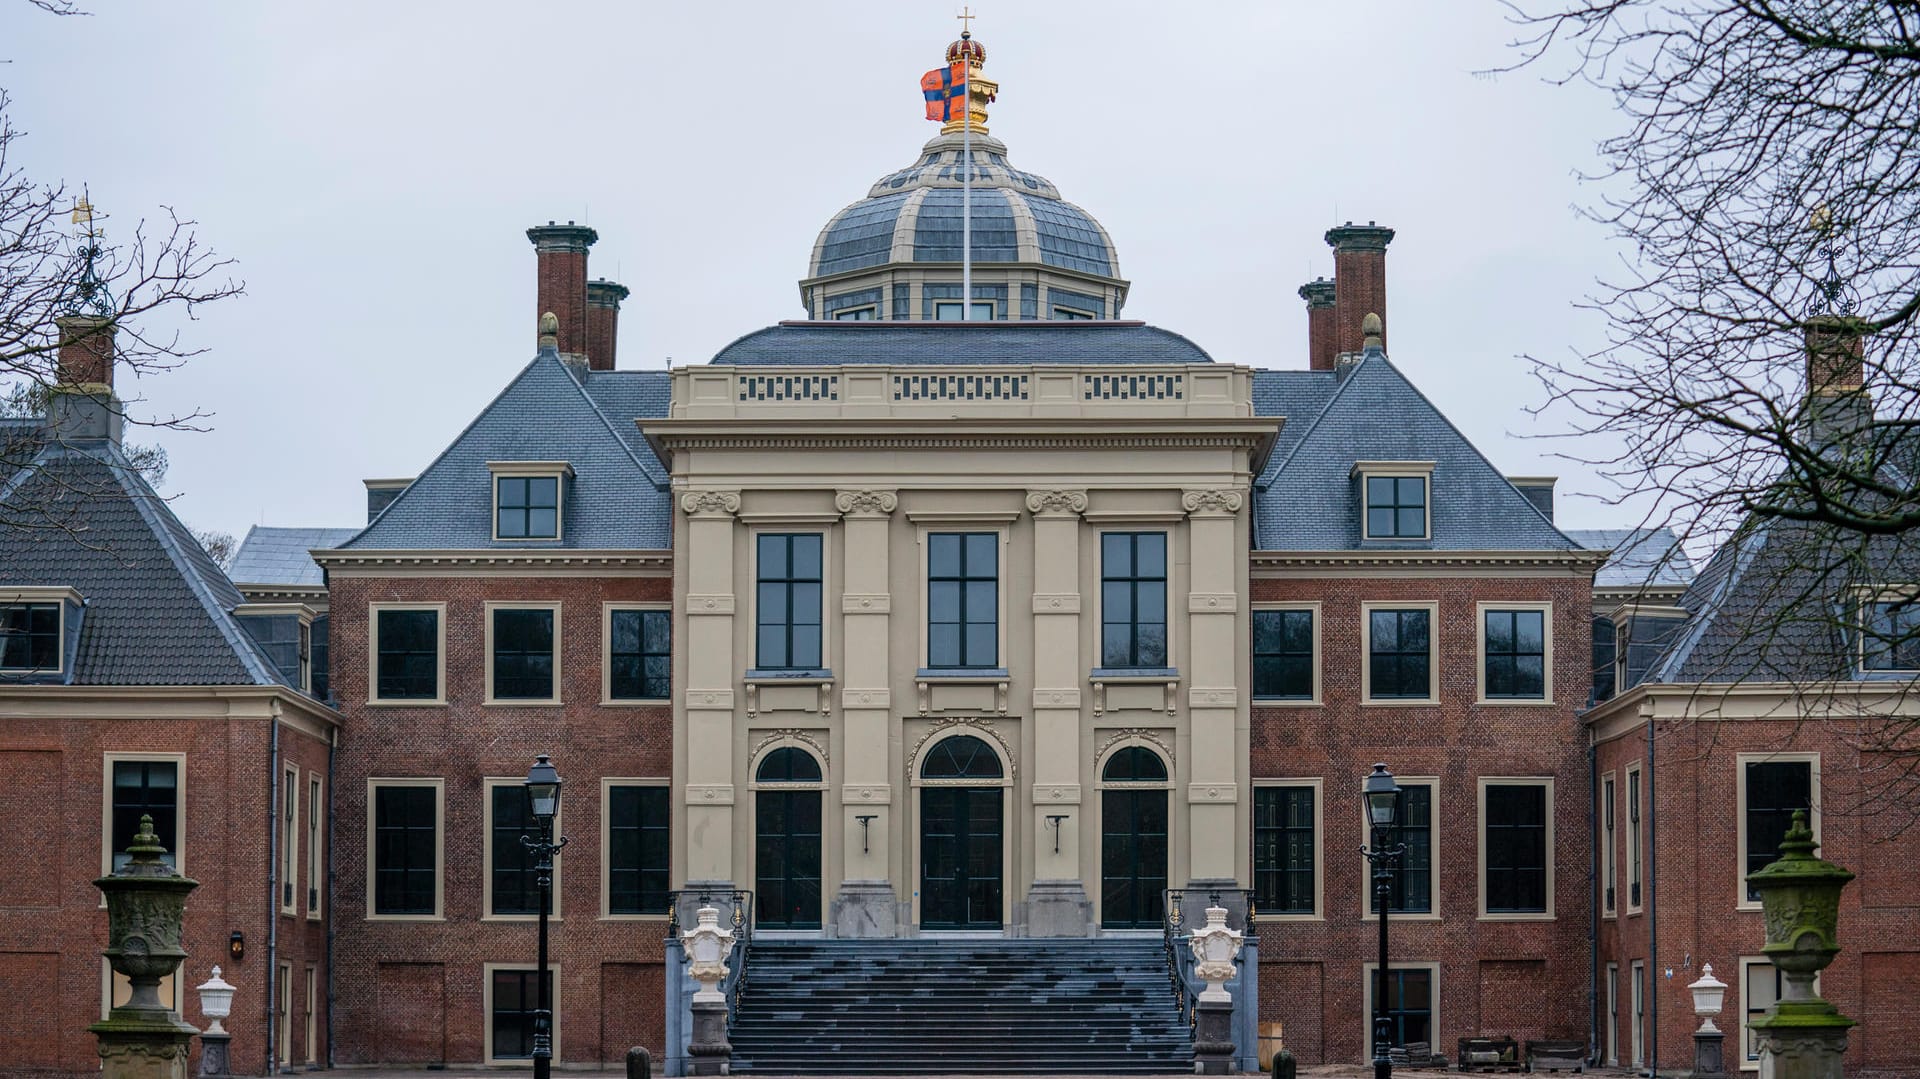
966 18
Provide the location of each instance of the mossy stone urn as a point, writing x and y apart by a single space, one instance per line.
1802 1036
146 905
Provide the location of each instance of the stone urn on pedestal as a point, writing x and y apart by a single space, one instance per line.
216 1003
1801 1036
1709 1058
1214 948
146 905
707 947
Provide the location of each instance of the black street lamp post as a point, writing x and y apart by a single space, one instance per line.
1383 801
543 802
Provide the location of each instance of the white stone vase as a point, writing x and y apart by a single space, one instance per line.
1214 948
707 947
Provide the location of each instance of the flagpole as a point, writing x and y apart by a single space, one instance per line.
966 186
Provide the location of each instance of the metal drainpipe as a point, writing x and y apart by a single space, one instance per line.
273 880
1653 910
1593 923
333 746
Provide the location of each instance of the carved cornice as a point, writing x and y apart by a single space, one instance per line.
710 503
866 503
1212 502
1057 503
787 736
1135 736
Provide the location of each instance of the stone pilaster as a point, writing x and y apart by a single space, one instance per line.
866 905
1057 905
711 668
1215 707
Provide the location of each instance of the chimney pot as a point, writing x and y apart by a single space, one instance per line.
561 282
603 322
1360 281
1319 294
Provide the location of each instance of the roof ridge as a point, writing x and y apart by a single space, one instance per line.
1340 387
659 482
1742 557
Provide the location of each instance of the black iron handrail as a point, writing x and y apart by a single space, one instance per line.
739 919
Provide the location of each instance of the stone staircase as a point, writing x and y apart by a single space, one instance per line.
959 1006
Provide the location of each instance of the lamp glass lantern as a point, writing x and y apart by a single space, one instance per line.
543 789
1383 797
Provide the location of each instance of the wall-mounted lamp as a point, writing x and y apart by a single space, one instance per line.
864 819
1055 819
237 945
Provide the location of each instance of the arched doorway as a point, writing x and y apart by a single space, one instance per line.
786 849
961 828
1133 839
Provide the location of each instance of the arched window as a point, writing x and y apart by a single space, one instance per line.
788 764
1133 764
961 757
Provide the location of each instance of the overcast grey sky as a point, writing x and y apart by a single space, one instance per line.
373 167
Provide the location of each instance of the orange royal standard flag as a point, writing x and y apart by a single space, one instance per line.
945 89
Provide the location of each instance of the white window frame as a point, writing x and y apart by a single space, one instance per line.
1370 980
494 605
1421 470
969 306
1634 813
1741 760
607 699
1746 1049
439 699
178 846
61 598
316 865
558 471
1609 828
1481 610
1612 1059
1515 781
1432 783
1637 1001
313 1014
290 795
1004 547
1367 607
487 786
111 983
304 615
607 783
283 982
829 586
439 785
1864 598
486 1014
1176 553
1318 785
1313 607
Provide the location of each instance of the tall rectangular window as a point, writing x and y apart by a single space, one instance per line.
319 676
1396 507
638 846
523 650
1412 889
29 636
1608 824
1603 659
1399 654
1516 655
1515 831
1773 790
289 840
1633 840
528 507
787 605
513 885
316 864
515 998
407 643
145 789
963 600
1133 599
640 655
1283 655
1638 1003
1283 850
406 855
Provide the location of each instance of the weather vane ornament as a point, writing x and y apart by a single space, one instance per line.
1834 296
960 81
90 293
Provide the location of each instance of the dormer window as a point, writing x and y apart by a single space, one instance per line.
1395 499
950 311
527 499
1890 634
33 629
284 632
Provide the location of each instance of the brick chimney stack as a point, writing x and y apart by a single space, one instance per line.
86 350
1320 311
82 409
561 282
603 322
1359 281
1838 404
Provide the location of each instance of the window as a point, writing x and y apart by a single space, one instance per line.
1638 989
1612 1058
406 848
1771 788
1608 824
1133 599
1283 655
513 885
1890 638
638 847
949 311
1399 654
963 600
788 603
290 841
527 507
639 654
30 636
1411 1003
1285 856
317 650
854 314
284 638
1396 507
1761 986
521 651
283 989
315 863
1071 314
313 1014
1603 659
1633 845
143 787
1516 847
1514 650
513 999
408 653
1412 889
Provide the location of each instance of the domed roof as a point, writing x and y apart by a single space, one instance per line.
913 215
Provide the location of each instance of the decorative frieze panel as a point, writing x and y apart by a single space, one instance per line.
1056 603
960 387
709 700
715 603
866 603
867 793
1056 698
1133 387
1217 793
1212 602
1212 697
866 698
789 387
709 794
1059 794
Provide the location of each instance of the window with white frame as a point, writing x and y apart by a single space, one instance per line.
1516 847
1399 652
1412 890
1133 599
29 637
1638 990
963 600
513 884
1761 986
1395 499
1286 849
409 654
955 311
528 499
316 865
1609 825
790 580
639 654
1772 787
1285 654
1412 1007
523 652
1633 838
513 999
1515 653
1613 1015
639 844
406 847
290 840
1890 633
140 785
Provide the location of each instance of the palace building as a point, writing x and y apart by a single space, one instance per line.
985 632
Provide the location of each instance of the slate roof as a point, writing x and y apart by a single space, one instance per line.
158 610
1642 557
279 555
616 500
1306 498
813 344
625 396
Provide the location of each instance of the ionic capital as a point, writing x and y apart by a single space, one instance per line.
1212 502
1057 503
866 503
710 503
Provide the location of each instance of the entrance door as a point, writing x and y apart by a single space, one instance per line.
961 829
787 842
1133 841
